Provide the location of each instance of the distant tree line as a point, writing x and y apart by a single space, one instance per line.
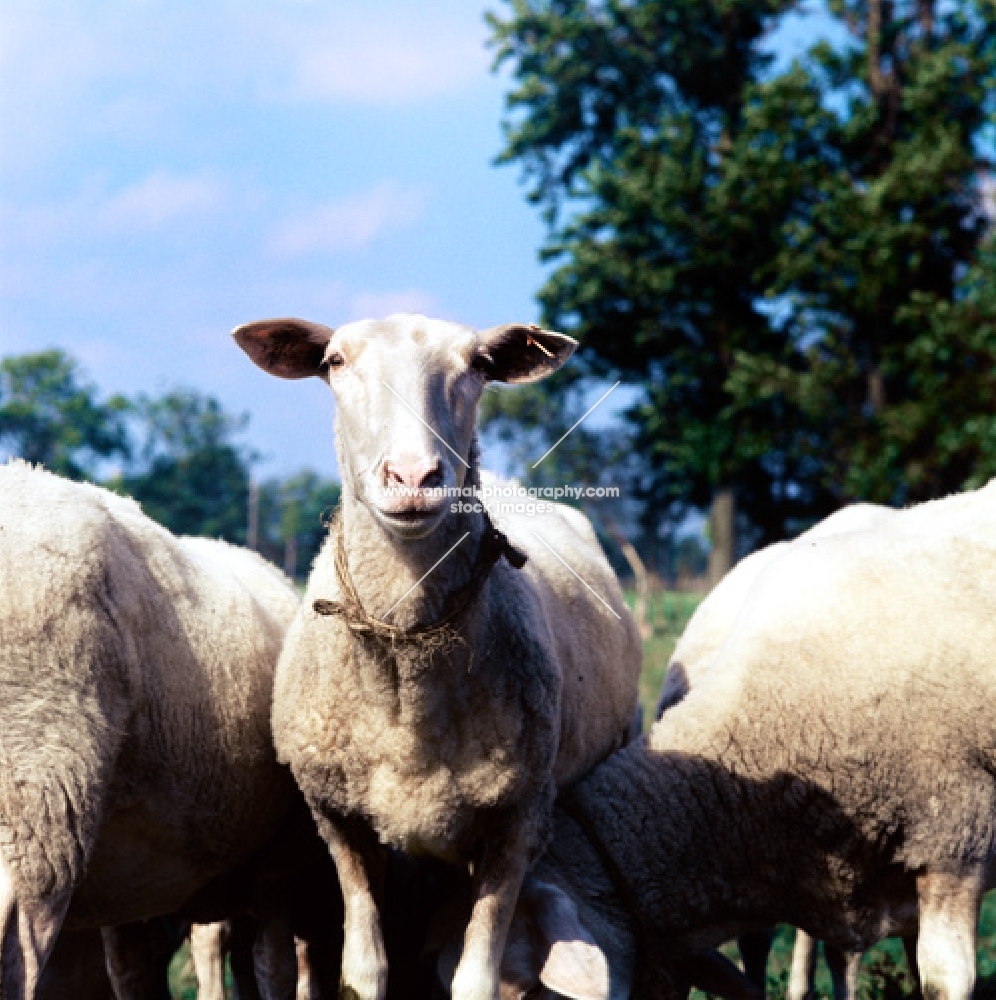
792 267
178 454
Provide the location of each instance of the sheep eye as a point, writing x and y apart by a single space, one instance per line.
335 360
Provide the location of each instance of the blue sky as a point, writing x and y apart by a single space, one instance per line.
170 170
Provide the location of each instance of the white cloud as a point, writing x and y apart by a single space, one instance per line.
390 63
159 199
146 207
351 223
375 305
73 69
59 67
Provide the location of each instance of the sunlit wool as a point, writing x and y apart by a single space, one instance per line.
136 672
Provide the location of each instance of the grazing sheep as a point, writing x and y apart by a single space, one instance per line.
694 654
835 769
436 688
136 671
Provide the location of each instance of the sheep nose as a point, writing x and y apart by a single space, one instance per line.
413 473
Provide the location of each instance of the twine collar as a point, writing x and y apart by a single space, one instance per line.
493 545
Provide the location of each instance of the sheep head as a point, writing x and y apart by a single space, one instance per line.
407 390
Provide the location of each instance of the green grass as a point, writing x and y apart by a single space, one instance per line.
884 973
182 982
986 987
667 614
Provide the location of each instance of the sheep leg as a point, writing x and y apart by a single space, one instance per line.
755 947
137 957
136 962
307 987
319 955
275 960
208 943
360 864
844 969
75 969
498 877
240 953
802 974
28 929
949 913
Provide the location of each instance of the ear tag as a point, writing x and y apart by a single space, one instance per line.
536 343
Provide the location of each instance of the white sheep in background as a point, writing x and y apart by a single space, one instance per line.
835 769
447 728
136 671
694 654
714 618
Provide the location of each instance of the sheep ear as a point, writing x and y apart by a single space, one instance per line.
576 969
519 353
287 348
573 964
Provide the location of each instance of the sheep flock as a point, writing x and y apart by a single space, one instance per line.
425 778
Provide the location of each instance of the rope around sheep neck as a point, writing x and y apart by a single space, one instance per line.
494 544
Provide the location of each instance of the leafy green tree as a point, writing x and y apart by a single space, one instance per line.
50 414
543 443
623 120
192 476
548 441
293 516
186 468
885 257
783 263
690 557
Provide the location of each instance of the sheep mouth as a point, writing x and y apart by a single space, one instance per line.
411 515
411 523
